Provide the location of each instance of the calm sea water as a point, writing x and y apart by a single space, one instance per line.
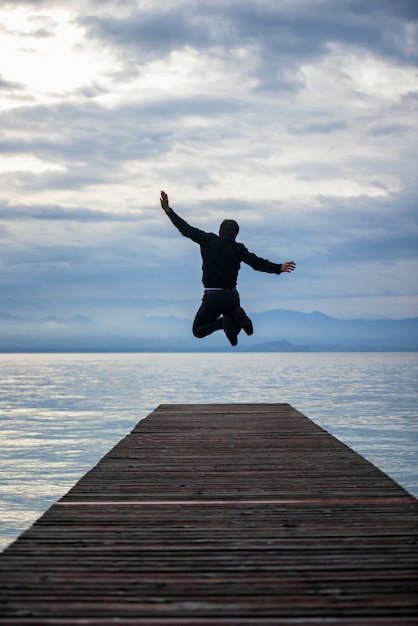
59 414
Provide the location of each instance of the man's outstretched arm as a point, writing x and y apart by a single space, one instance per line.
186 230
263 265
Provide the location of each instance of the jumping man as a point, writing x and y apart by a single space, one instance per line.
222 256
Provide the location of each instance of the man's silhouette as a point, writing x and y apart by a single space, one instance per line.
222 257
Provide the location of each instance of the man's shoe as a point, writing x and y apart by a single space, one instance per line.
230 330
243 320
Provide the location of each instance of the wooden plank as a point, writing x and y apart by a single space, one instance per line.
220 514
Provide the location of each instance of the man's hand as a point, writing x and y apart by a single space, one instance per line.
289 266
164 202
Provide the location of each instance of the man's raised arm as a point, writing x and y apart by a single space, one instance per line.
186 230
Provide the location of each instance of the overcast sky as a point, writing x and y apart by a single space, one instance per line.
297 118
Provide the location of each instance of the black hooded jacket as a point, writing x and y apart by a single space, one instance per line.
221 256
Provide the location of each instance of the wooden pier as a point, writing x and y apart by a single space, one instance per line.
220 515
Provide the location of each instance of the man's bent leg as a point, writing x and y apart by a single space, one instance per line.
207 319
230 324
231 329
243 320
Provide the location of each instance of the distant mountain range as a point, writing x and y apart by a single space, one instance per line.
279 330
322 331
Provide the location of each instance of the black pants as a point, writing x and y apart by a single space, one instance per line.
214 304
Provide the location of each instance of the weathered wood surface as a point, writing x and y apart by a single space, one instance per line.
220 514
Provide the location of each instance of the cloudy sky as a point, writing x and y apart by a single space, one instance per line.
297 118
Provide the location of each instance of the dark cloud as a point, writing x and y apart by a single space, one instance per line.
154 33
313 128
58 213
407 9
98 135
11 4
10 86
379 130
277 36
370 229
15 91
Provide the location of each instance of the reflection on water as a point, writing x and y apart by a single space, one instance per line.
59 414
